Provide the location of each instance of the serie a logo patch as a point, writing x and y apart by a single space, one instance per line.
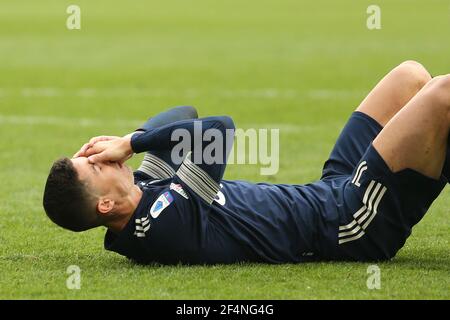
160 204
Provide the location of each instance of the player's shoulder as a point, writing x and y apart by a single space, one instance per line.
141 177
156 167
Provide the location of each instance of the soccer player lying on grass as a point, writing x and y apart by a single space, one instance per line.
389 164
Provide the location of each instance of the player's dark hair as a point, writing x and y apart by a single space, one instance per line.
66 198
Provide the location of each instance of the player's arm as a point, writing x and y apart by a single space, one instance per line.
158 163
170 116
198 173
201 174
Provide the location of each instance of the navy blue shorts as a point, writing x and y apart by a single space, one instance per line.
377 208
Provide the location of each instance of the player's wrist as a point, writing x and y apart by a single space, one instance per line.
132 137
126 144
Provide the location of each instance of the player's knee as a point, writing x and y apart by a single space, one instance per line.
443 83
440 91
413 73
433 81
413 63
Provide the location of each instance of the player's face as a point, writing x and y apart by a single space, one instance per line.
109 178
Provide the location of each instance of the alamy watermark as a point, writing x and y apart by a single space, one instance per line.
231 146
73 21
374 279
373 21
73 281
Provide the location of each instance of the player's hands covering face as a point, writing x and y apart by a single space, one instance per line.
107 148
83 149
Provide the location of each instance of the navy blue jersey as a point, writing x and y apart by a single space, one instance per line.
246 222
189 214
358 210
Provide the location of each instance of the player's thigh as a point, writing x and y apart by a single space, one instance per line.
394 91
416 137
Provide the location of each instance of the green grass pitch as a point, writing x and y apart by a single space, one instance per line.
301 66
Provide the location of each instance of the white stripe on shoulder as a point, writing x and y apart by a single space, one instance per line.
156 167
198 180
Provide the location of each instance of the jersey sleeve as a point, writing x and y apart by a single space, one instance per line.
169 116
158 163
201 174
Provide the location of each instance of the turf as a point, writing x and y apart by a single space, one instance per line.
301 66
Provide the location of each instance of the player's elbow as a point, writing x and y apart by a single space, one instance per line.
189 112
221 122
227 122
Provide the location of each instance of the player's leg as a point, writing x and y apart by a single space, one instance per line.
416 137
398 177
383 102
394 91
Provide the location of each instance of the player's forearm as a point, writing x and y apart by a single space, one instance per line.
170 116
162 137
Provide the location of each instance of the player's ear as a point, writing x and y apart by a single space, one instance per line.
105 205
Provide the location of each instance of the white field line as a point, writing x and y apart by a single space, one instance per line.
63 121
132 124
262 93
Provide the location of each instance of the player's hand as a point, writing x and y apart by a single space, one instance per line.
114 150
86 146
